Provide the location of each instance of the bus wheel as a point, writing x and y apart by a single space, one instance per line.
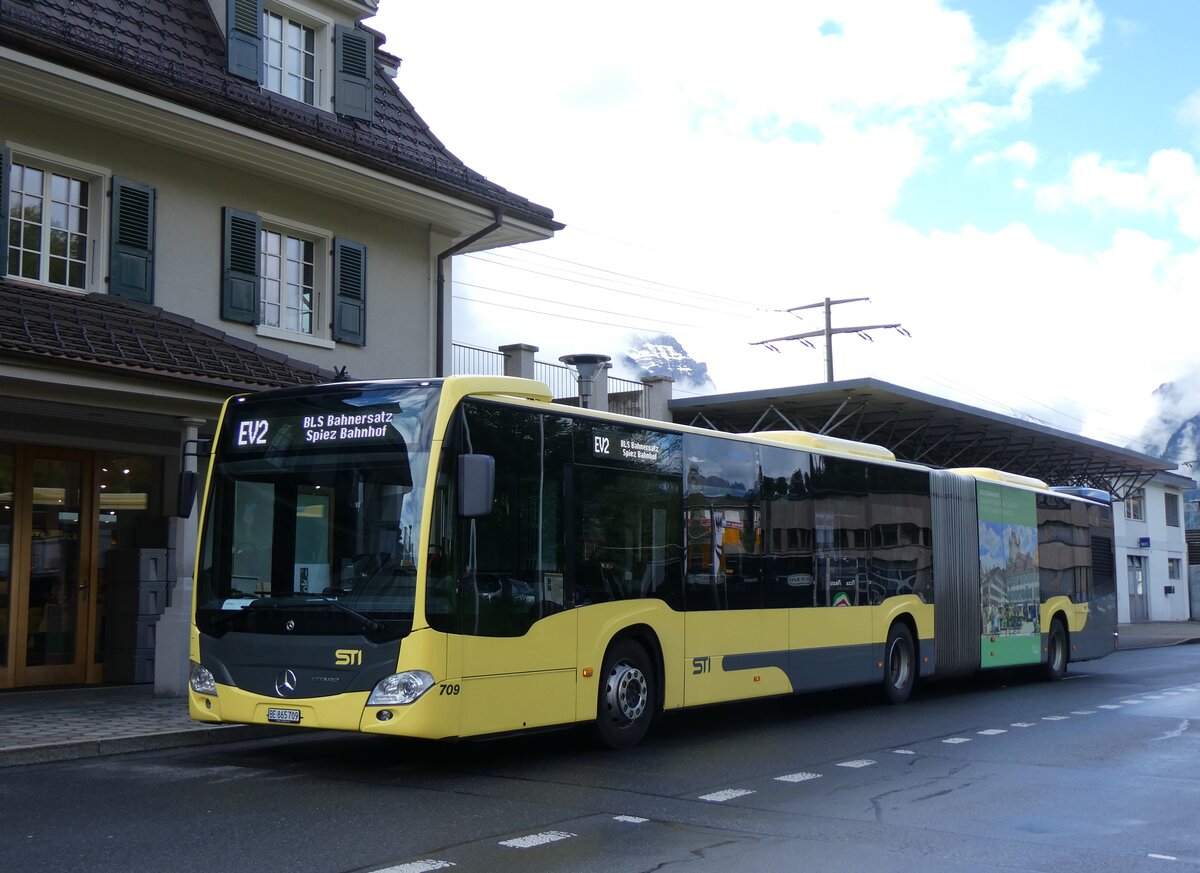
1056 652
899 663
627 696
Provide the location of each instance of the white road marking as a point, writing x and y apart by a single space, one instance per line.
1083 712
1162 857
956 740
632 819
1153 696
903 752
1055 717
1109 706
861 762
1023 724
536 839
418 867
797 777
991 732
727 794
1132 702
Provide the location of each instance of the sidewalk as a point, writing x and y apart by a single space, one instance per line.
61 724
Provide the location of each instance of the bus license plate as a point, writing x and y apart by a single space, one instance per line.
283 716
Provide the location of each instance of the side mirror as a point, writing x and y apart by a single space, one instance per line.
476 485
187 493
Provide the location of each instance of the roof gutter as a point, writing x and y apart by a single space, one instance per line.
440 327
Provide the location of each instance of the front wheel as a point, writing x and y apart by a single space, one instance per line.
1056 652
628 696
899 663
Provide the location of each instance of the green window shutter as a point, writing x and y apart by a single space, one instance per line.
349 292
131 250
239 266
243 38
5 172
354 73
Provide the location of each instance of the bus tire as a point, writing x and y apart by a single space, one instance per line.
1056 652
899 663
628 696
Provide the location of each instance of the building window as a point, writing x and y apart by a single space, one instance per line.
288 297
1135 505
289 58
1174 568
48 225
1172 508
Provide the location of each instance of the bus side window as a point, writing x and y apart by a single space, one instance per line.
724 524
627 535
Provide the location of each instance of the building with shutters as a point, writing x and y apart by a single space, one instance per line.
202 197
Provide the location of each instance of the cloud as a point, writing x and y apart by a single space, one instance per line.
1050 51
1169 185
1020 152
739 164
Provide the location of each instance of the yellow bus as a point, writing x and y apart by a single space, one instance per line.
461 558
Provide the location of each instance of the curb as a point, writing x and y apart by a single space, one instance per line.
1156 643
98 748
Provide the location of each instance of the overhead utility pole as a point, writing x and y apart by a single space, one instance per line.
828 331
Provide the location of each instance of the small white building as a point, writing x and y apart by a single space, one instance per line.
1151 547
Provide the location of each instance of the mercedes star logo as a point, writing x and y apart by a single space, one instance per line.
285 683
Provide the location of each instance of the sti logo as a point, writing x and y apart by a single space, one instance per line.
348 657
252 433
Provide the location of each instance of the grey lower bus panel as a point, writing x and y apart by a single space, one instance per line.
956 607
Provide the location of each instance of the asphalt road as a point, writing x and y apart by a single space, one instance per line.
1099 772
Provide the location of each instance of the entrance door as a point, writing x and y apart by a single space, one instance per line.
1137 589
53 566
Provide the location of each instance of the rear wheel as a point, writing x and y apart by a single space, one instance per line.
1056 652
899 663
628 696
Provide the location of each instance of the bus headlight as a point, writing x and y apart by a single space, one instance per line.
400 689
202 680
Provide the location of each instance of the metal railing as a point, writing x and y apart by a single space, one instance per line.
474 361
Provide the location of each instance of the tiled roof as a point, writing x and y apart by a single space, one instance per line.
174 49
110 332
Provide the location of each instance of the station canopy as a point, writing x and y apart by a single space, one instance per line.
927 430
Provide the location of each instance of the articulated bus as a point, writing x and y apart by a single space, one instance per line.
461 557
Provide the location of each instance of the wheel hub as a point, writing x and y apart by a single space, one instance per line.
626 693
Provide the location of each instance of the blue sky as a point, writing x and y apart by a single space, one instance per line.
1015 182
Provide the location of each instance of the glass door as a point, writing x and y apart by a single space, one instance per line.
53 566
7 477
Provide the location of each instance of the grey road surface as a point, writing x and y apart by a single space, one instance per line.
1099 772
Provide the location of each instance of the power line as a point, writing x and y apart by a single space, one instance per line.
613 290
557 303
618 274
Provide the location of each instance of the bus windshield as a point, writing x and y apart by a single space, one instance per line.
313 511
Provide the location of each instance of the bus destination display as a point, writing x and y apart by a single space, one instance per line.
335 428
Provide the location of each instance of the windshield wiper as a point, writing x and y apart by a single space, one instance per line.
366 621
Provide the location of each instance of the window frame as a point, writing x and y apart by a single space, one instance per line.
1135 505
99 180
322 29
322 242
